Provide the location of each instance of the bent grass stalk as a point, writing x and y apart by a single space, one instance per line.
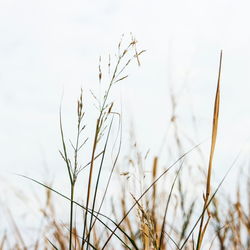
94 213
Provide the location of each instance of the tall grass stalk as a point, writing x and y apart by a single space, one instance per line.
73 170
202 229
104 112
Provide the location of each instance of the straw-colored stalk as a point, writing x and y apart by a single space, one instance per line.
202 228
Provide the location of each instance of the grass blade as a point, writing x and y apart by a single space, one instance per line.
213 142
167 205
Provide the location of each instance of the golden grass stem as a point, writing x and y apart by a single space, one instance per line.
213 142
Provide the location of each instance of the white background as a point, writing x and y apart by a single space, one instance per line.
52 47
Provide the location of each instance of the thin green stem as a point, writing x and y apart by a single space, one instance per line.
71 214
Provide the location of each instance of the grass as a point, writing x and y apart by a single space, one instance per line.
156 210
202 229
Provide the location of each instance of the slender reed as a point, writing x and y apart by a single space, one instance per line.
202 228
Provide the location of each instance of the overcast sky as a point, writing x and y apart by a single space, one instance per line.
52 47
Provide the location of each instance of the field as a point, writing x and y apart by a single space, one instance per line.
123 198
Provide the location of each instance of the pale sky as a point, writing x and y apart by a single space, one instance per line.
52 47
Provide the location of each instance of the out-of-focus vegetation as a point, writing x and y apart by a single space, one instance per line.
152 205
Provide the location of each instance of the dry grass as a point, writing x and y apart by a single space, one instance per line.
153 208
